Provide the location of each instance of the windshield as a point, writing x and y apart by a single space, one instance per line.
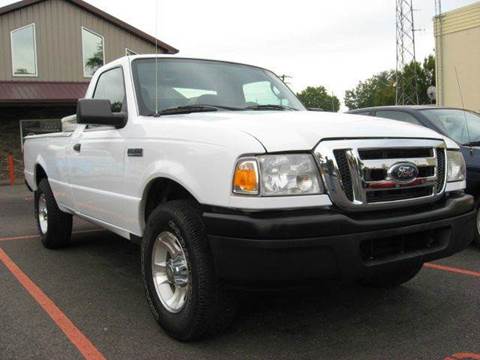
460 125
187 82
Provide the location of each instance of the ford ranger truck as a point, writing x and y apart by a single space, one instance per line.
228 182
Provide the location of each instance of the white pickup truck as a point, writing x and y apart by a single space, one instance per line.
228 182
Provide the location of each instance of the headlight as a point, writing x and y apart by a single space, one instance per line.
456 168
278 175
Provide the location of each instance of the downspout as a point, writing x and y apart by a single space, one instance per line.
438 21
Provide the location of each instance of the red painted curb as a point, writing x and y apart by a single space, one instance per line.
76 337
463 356
452 269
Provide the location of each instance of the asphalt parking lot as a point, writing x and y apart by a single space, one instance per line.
88 301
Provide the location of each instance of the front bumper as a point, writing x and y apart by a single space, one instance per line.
276 248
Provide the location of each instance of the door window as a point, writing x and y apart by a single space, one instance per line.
460 125
398 115
110 86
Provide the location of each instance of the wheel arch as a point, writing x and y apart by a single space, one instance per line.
160 190
39 173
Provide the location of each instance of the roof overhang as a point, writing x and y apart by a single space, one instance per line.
41 92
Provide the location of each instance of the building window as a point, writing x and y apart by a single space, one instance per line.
24 51
129 52
93 52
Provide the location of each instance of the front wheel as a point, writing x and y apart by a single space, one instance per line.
54 226
393 276
476 236
182 289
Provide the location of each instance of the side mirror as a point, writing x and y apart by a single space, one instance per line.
99 112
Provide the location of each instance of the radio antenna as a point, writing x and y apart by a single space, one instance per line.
156 57
459 88
463 103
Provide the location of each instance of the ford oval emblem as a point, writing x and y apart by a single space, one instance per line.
404 172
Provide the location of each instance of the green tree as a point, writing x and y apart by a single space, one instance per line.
318 97
380 89
96 60
21 71
375 91
426 79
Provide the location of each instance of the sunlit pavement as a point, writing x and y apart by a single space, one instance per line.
87 301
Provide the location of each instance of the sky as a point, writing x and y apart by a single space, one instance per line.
316 42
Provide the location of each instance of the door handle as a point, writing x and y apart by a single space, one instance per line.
77 147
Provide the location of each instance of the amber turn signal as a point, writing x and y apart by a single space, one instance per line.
245 179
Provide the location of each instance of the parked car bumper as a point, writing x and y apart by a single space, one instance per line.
277 248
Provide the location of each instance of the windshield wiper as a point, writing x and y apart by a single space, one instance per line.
186 109
472 143
269 107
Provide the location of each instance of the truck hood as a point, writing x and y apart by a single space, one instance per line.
303 130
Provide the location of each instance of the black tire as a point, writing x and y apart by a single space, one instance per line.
59 224
476 230
208 308
394 275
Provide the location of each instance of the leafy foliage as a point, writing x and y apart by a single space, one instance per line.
95 61
375 91
318 97
379 90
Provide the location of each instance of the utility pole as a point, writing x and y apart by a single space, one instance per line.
406 83
284 78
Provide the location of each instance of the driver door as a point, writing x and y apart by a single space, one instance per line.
96 158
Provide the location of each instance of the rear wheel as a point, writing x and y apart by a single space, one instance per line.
54 226
393 276
183 292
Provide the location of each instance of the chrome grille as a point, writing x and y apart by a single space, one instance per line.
441 169
340 156
357 173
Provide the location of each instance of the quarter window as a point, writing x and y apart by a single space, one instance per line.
398 115
110 86
24 51
93 52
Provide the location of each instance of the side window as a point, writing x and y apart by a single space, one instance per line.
262 93
365 113
398 115
110 86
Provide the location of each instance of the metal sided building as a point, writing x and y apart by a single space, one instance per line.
457 37
49 50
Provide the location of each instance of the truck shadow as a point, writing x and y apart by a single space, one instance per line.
337 318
